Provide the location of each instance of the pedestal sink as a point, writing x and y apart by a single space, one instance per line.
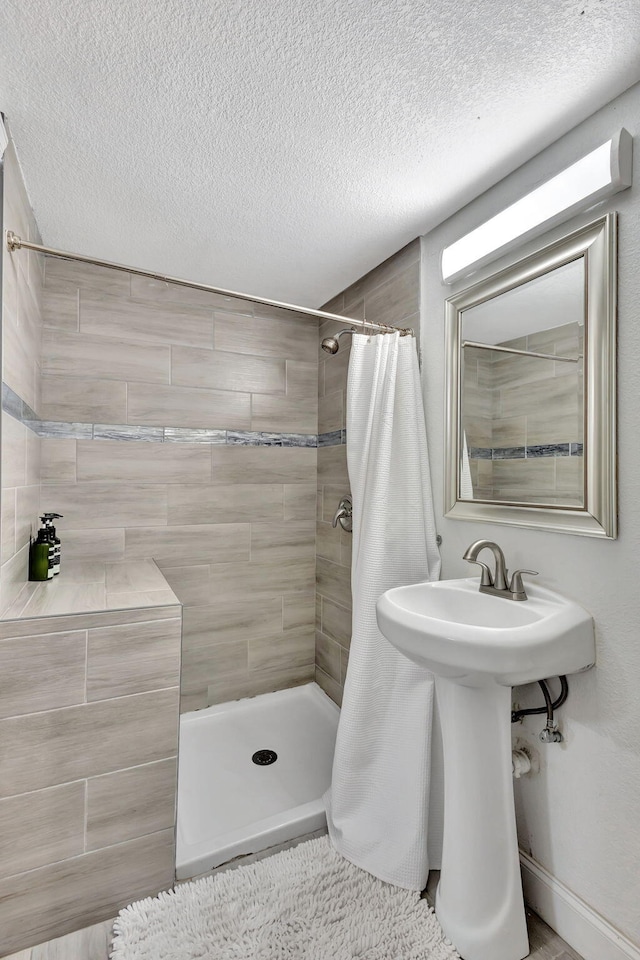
479 646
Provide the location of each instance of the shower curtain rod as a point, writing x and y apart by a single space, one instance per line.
520 353
17 243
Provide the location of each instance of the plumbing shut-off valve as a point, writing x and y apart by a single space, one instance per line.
551 734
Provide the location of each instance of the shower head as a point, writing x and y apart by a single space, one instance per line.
332 344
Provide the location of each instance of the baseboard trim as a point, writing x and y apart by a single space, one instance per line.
583 929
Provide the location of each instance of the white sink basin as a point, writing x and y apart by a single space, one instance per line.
479 646
460 633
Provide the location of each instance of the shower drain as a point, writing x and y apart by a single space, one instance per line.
264 757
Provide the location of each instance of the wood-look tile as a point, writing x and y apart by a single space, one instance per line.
142 598
14 452
89 505
222 503
84 401
330 686
42 673
237 580
19 369
298 613
336 369
100 280
504 432
132 461
250 683
289 465
131 803
346 548
536 476
133 575
57 899
302 377
546 426
380 274
146 322
395 299
212 663
225 621
300 501
328 656
334 582
144 288
276 541
58 460
344 663
336 621
90 943
284 414
33 444
280 337
546 397
41 827
60 597
8 523
80 571
58 746
570 475
328 541
330 412
133 658
217 370
60 306
188 407
41 626
74 354
214 543
332 466
191 583
282 651
93 544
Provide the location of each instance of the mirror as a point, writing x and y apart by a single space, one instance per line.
531 389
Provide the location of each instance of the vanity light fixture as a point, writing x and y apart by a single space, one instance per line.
603 172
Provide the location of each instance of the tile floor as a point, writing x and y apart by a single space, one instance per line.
92 943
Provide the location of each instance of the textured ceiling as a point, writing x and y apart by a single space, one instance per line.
282 147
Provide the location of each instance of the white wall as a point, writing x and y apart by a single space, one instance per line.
580 817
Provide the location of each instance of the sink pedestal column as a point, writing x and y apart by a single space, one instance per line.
479 898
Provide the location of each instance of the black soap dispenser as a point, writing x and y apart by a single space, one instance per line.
40 556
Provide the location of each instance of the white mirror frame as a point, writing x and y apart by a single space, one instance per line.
596 243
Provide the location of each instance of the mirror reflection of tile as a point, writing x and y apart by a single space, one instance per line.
523 419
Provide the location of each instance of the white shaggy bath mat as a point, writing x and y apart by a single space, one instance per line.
307 903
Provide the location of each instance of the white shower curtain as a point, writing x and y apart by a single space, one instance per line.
377 806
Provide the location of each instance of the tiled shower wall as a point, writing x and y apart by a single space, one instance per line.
181 425
21 335
388 294
517 441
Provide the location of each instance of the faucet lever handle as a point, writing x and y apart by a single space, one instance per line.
516 585
486 580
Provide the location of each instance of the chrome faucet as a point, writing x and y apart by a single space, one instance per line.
499 585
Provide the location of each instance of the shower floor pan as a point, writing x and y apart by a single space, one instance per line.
229 804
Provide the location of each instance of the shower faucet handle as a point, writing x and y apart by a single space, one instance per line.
343 514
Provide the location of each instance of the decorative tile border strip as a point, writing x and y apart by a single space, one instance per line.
335 438
535 451
17 408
